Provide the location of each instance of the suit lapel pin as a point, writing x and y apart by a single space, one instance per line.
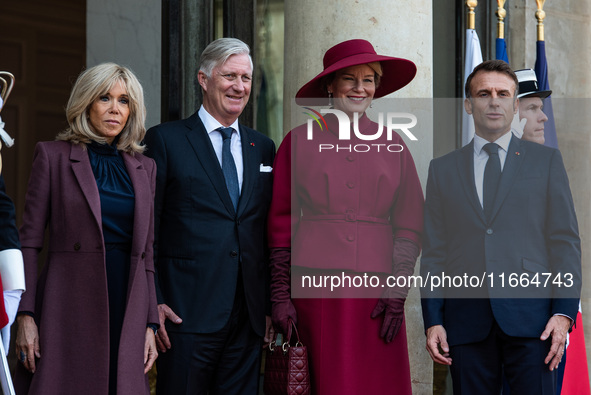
252 144
516 153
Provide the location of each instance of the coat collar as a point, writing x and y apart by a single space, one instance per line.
143 200
250 155
466 171
515 155
83 172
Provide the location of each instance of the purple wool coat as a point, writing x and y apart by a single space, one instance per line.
69 296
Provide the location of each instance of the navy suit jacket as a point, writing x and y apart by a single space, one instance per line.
533 229
200 241
9 235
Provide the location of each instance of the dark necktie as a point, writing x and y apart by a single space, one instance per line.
229 167
492 175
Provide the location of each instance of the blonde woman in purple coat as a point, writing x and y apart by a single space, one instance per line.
87 322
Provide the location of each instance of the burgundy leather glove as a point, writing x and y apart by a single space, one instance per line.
282 309
391 304
393 310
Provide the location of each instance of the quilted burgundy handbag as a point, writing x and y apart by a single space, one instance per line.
286 367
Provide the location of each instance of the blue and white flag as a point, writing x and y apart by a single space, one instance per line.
501 46
473 59
541 69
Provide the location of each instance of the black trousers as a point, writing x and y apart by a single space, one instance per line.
477 368
221 363
117 266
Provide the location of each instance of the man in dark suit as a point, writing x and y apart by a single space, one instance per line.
531 117
495 213
212 196
12 270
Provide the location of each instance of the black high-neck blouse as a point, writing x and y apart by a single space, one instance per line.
115 190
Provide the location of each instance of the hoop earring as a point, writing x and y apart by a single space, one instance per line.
330 99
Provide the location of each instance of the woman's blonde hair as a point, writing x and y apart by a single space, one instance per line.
90 85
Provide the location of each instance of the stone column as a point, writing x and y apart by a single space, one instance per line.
402 30
240 22
119 31
567 26
187 28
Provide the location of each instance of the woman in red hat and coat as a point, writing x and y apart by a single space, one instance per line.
347 214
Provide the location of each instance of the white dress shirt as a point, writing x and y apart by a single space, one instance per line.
481 157
211 124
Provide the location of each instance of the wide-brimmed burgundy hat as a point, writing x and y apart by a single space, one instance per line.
397 72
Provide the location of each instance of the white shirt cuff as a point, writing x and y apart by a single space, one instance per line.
12 270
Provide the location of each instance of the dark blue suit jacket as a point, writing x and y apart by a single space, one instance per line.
9 236
200 241
533 229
